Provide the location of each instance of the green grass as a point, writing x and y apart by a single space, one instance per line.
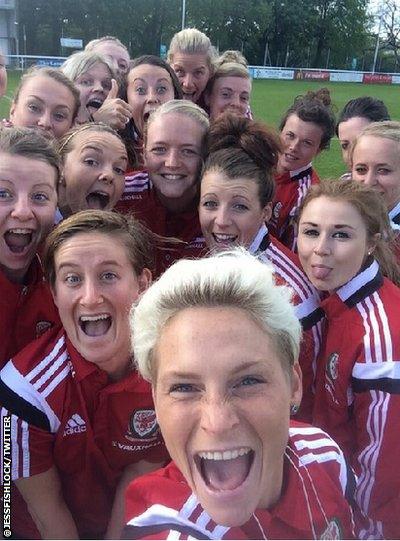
271 98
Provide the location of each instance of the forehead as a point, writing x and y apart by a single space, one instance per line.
190 61
101 139
47 89
97 70
353 125
24 172
92 248
326 211
218 182
302 128
175 127
240 84
148 72
377 149
112 49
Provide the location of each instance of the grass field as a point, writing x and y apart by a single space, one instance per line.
271 98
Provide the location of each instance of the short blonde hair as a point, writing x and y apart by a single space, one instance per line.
192 41
387 129
91 46
231 279
82 61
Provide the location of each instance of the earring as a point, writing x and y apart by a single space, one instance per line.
294 409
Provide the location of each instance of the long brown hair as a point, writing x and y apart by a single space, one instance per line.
372 209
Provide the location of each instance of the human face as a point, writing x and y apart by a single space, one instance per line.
193 72
173 158
376 162
28 201
229 94
94 289
44 104
118 55
3 76
332 242
94 86
94 172
230 210
148 87
301 143
226 422
348 132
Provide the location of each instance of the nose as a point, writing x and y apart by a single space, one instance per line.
187 81
91 294
218 416
97 86
107 174
322 246
45 120
293 144
173 158
370 178
22 209
222 217
152 96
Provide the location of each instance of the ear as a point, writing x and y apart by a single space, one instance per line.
267 212
144 280
372 243
296 384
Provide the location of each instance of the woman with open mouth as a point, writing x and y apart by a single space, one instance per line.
165 195
306 129
45 100
343 243
29 173
236 194
98 85
219 342
83 420
94 161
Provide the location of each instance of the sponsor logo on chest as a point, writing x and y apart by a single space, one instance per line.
74 425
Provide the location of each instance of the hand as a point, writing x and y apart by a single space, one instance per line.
114 111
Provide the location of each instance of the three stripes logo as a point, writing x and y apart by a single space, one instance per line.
75 425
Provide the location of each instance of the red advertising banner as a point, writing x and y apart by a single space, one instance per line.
312 75
377 78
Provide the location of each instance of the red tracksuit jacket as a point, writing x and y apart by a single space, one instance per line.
357 397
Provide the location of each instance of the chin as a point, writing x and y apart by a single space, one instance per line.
230 516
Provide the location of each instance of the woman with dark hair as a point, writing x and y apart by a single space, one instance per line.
306 129
354 117
343 244
150 83
237 190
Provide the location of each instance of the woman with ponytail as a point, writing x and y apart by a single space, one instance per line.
344 244
237 189
306 129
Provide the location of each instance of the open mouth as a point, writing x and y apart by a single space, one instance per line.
221 238
172 177
96 325
225 470
94 103
18 240
188 95
97 200
147 114
320 272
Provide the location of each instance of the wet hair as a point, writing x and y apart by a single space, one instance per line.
82 61
30 143
137 238
192 41
54 74
367 107
231 56
185 108
91 46
372 209
240 147
232 279
314 107
66 143
151 60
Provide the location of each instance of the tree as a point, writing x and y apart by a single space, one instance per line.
391 24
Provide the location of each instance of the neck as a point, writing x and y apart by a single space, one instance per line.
181 204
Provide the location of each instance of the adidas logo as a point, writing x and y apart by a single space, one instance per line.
75 425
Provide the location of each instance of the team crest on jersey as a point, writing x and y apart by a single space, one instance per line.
332 366
142 425
333 530
41 327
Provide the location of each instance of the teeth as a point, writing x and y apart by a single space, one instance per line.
221 237
224 455
173 177
94 318
20 231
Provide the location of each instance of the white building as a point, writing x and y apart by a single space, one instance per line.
8 27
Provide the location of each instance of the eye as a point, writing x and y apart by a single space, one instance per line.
344 146
249 381
310 232
91 162
158 150
384 171
189 152
85 82
245 98
5 194
60 116
361 170
198 73
34 108
210 204
182 388
140 90
289 135
240 207
179 73
72 279
41 197
162 90
307 143
226 95
122 65
341 235
108 276
119 170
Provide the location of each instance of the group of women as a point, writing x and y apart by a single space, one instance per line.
258 376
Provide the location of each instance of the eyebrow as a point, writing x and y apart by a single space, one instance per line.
64 106
193 376
336 226
77 265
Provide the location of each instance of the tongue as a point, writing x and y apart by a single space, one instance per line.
320 272
96 328
226 474
17 241
97 201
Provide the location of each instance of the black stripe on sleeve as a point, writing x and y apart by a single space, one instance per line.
140 532
312 319
22 408
387 385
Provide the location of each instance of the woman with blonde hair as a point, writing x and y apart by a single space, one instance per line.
343 244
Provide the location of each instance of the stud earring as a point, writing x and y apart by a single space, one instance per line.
294 409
